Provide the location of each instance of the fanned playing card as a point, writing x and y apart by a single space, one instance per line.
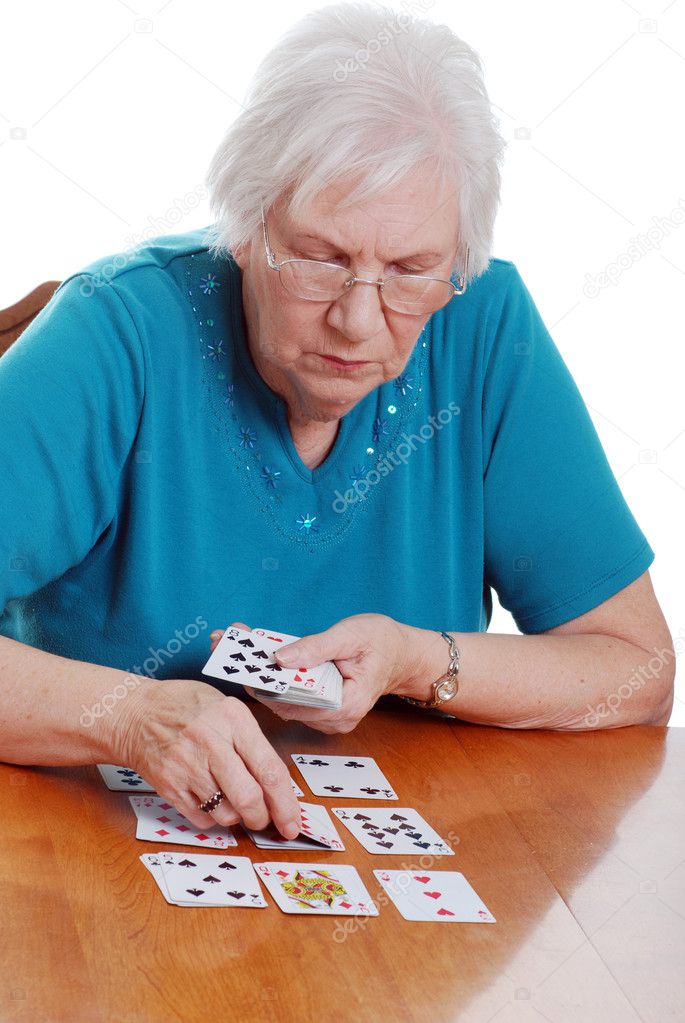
242 656
154 865
159 821
123 779
392 830
207 880
246 656
313 890
317 832
346 777
444 896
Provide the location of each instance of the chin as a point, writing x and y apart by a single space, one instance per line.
337 396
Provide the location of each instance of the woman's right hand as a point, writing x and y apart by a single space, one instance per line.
189 740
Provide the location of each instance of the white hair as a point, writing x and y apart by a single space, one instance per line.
358 90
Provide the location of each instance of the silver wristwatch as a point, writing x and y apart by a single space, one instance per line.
447 685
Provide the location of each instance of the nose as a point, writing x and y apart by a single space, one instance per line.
358 313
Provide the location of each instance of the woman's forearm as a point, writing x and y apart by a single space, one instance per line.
563 682
55 711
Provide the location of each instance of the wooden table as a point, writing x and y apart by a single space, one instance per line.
574 841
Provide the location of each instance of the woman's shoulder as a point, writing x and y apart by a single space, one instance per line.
151 255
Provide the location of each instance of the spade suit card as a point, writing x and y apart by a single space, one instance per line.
246 656
209 880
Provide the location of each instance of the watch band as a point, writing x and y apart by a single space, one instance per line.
447 686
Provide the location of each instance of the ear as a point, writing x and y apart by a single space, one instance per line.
241 254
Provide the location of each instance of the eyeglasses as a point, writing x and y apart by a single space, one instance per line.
317 281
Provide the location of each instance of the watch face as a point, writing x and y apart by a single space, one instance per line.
446 689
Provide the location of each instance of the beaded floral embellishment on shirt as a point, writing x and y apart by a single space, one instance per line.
209 293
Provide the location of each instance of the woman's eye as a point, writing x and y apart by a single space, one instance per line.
397 268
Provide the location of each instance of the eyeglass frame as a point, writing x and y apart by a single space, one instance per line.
353 279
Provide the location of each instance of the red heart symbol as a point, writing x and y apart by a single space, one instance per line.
445 912
433 895
423 880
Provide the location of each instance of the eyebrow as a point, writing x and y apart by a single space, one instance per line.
422 256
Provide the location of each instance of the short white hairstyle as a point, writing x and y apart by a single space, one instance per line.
360 91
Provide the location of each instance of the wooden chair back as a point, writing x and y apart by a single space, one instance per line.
17 317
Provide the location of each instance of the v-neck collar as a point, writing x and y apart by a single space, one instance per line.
275 403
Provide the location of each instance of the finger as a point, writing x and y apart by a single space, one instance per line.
215 637
340 640
279 709
241 789
187 803
272 776
355 705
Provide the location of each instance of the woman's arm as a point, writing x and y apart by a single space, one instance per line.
55 711
184 736
612 666
561 682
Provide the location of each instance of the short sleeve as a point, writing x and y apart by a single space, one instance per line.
71 394
559 536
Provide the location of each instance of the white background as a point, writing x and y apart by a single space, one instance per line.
110 112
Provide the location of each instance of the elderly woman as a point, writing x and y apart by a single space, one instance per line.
330 413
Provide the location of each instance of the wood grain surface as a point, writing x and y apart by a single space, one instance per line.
575 842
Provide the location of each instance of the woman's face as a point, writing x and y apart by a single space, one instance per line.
412 229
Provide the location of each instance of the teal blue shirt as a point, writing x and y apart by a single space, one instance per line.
151 490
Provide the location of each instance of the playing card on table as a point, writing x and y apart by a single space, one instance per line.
207 880
296 788
349 777
159 821
440 895
392 830
153 862
154 865
310 889
120 779
317 830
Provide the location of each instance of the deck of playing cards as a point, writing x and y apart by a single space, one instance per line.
189 880
247 657
317 832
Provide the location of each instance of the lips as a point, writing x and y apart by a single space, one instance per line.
345 362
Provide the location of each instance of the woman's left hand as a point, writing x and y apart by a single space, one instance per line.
370 652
